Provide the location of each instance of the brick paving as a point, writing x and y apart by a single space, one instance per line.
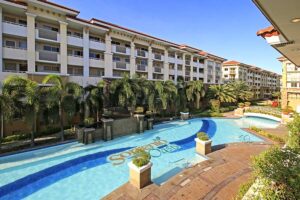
217 178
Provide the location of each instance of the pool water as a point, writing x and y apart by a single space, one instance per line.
76 171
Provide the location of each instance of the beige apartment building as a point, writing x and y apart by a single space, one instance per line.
262 82
40 38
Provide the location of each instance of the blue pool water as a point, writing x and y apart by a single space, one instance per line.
76 171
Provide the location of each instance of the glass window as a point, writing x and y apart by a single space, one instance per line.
10 43
23 45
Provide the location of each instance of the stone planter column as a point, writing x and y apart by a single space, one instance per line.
203 147
140 176
184 115
150 123
140 123
107 129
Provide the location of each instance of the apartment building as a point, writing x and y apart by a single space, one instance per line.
262 82
290 89
40 38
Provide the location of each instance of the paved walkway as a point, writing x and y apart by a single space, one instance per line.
216 178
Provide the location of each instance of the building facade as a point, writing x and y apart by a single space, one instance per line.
262 82
290 90
41 38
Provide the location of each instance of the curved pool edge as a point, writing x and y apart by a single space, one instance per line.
250 114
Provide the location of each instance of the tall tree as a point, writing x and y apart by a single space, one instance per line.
195 91
27 92
62 94
166 91
222 93
241 91
6 108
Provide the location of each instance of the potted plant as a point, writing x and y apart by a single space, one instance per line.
185 114
140 169
241 105
287 110
203 143
88 122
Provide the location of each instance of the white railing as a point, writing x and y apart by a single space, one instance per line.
157 69
121 65
121 49
14 53
48 56
141 53
47 34
14 28
141 67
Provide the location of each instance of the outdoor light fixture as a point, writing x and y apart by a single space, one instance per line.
295 20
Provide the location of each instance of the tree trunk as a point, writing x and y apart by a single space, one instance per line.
198 101
33 130
61 122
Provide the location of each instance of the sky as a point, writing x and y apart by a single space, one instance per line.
226 28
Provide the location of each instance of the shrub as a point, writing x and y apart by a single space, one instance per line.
202 136
267 135
241 105
215 105
244 189
247 104
294 133
89 121
275 104
141 157
279 170
287 110
227 109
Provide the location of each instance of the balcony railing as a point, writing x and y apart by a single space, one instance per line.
141 53
157 56
141 67
157 69
47 34
48 56
187 73
120 65
187 62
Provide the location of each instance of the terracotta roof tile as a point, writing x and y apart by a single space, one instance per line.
268 32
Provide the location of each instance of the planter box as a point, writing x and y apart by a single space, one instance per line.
140 176
184 115
203 147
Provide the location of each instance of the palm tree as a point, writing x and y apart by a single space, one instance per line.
28 94
240 90
6 109
166 91
62 94
195 91
222 93
126 91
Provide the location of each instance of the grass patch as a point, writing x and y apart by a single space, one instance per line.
244 189
263 133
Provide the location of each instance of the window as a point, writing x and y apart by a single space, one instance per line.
50 28
294 84
10 67
9 19
115 43
95 56
23 22
127 60
116 59
22 67
10 43
225 69
194 69
50 48
78 53
78 34
23 45
93 38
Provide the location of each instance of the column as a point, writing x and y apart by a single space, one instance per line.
214 73
150 63
183 66
175 69
86 52
132 59
63 47
31 42
108 57
205 71
192 67
166 65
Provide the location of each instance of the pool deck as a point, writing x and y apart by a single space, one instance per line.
217 178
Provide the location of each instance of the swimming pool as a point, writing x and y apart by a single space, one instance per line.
76 171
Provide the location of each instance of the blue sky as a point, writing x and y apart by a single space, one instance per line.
226 28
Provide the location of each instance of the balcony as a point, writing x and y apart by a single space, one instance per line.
187 73
48 56
141 53
97 45
75 60
140 67
46 34
121 65
14 53
120 49
171 59
157 56
157 69
187 62
196 64
232 72
179 61
75 41
96 63
14 29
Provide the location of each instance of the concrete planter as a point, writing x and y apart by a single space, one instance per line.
203 147
140 176
184 115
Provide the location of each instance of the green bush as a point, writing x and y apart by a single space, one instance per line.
215 105
227 109
202 136
17 137
141 157
294 132
244 189
247 104
265 110
89 121
279 169
241 105
267 135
